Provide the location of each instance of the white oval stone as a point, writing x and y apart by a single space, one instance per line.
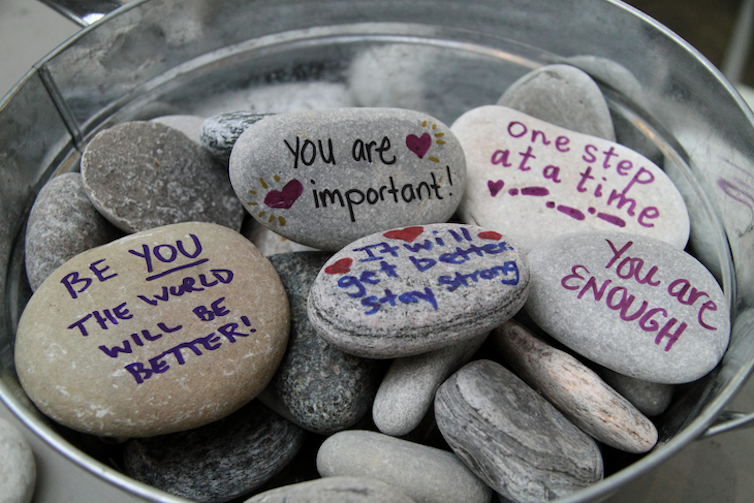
325 178
635 305
532 181
157 332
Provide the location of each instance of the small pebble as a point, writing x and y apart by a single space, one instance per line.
18 471
190 125
220 132
651 398
272 243
334 490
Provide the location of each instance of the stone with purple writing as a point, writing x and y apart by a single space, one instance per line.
220 132
325 178
635 305
532 181
18 471
157 332
141 175
334 490
415 289
62 224
651 398
511 437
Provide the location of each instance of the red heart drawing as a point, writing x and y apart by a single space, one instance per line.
284 199
495 187
407 234
494 236
419 146
342 266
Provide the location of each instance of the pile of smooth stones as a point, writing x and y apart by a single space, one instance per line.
410 311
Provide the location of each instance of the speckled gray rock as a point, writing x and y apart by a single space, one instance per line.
219 461
316 385
408 389
325 178
415 289
190 125
18 471
511 437
141 175
635 305
575 390
272 243
562 95
651 398
62 224
220 132
334 490
425 474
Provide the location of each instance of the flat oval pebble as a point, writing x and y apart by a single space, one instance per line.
217 462
532 181
415 289
635 305
651 398
62 223
316 386
334 490
562 95
141 175
220 132
157 332
575 390
511 437
425 474
18 471
325 178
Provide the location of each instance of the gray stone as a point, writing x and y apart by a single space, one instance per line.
511 437
611 73
651 398
564 96
408 389
316 386
189 125
326 178
141 175
219 461
62 224
416 289
272 243
157 332
18 471
633 304
575 390
334 490
425 474
551 181
220 132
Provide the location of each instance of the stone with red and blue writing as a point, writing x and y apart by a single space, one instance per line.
415 289
651 398
217 462
633 304
334 490
324 178
141 175
532 181
156 332
220 132
513 438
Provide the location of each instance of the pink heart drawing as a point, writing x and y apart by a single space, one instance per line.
407 234
284 199
495 187
419 146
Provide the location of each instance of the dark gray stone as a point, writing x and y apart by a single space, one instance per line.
220 132
18 471
62 224
219 461
511 437
334 490
651 398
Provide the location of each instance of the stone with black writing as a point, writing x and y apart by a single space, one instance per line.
635 305
415 289
316 386
18 471
334 490
532 181
562 95
157 332
220 132
141 175
511 437
325 178
408 389
651 398
576 391
219 461
190 125
62 224
425 474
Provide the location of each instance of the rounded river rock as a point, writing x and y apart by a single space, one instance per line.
157 332
325 178
334 490
415 289
18 471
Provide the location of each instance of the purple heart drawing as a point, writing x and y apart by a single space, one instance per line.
284 199
417 145
495 187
